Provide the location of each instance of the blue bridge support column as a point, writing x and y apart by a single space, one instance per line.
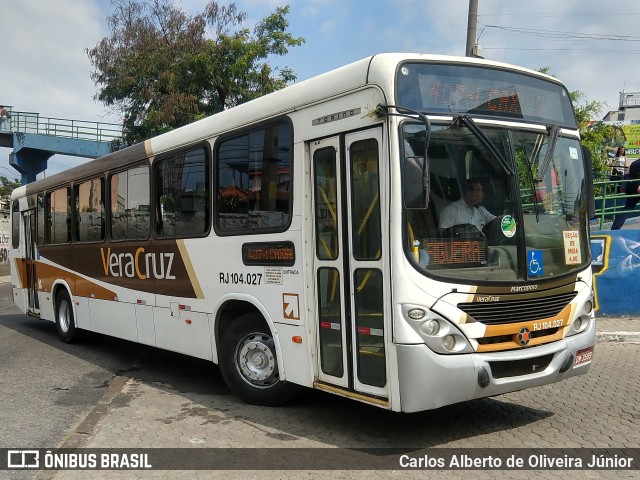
29 163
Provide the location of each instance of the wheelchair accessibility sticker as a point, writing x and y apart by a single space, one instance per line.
534 261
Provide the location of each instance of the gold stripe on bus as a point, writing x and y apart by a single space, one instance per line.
193 278
87 288
48 274
354 395
21 270
81 287
512 345
148 150
559 322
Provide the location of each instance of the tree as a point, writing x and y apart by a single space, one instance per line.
160 70
6 187
596 136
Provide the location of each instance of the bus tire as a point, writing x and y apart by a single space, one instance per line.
65 323
249 364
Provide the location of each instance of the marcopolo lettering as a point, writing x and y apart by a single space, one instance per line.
138 264
524 288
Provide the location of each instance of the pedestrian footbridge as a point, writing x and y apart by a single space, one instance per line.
34 139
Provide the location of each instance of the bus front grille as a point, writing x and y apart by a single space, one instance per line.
510 311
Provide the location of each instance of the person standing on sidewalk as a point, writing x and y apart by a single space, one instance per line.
631 188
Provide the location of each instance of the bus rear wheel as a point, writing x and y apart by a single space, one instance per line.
65 323
249 364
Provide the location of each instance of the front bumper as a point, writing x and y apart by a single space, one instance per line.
429 380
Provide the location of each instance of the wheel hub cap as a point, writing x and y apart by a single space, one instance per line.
256 359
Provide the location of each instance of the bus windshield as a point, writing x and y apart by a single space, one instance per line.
505 204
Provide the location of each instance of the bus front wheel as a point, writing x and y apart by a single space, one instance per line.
65 323
249 364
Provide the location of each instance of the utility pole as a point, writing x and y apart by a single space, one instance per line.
472 24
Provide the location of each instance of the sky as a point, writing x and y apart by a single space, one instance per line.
591 46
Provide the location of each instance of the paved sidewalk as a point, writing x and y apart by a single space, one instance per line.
623 329
609 329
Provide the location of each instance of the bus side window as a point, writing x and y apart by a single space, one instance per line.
254 181
41 218
58 216
182 193
130 204
90 215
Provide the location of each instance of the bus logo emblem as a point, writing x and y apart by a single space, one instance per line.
524 335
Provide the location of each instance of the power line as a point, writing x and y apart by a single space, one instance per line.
12 172
559 35
589 14
608 52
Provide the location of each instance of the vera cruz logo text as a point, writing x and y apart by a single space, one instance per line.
140 264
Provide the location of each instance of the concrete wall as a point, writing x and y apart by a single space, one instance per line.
5 244
616 269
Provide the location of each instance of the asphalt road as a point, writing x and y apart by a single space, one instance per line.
46 386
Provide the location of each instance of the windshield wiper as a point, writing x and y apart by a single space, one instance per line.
553 138
534 190
404 112
468 122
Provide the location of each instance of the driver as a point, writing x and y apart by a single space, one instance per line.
467 210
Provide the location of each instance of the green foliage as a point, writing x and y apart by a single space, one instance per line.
7 186
161 68
596 136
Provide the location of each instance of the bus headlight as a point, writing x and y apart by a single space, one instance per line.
588 306
449 342
577 324
437 333
584 316
430 327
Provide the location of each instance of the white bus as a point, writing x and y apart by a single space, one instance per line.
317 237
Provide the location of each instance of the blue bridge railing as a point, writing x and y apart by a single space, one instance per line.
30 122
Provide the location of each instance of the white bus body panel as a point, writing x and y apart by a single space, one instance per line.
183 332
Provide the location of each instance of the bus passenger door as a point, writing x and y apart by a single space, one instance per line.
348 262
29 224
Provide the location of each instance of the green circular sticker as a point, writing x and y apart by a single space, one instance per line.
508 226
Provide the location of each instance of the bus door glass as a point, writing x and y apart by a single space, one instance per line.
348 262
29 223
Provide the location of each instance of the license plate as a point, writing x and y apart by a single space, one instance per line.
583 356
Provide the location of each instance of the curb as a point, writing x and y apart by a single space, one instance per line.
619 337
